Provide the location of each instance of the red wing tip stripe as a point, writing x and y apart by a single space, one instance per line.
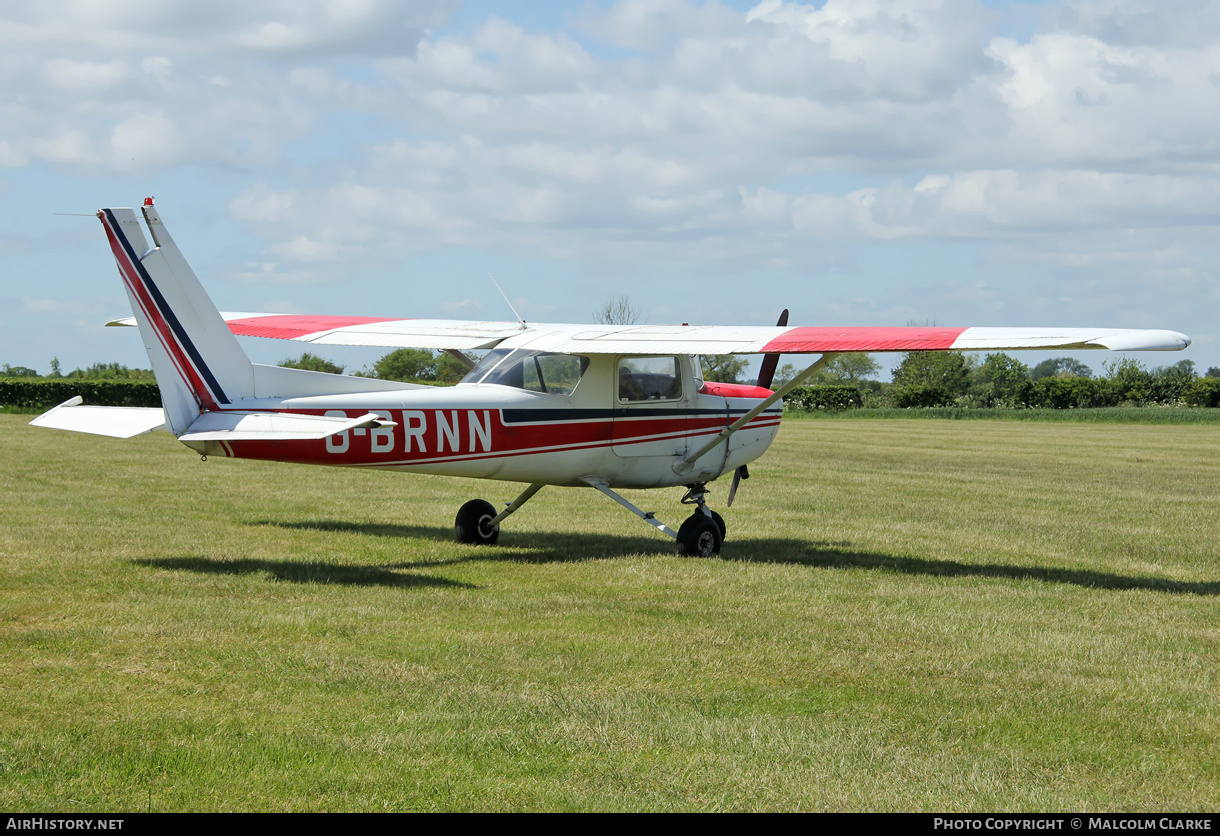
817 339
291 326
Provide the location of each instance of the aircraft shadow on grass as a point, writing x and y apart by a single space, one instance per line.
832 556
303 571
522 547
547 547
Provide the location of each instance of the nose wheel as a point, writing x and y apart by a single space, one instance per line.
703 532
700 536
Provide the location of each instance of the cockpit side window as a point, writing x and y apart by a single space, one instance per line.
649 379
534 371
554 374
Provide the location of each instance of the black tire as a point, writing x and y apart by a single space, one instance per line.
699 536
471 523
724 529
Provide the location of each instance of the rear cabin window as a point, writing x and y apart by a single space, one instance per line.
649 379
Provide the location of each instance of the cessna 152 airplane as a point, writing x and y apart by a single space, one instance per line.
594 406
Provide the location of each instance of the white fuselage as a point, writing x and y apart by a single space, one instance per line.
495 431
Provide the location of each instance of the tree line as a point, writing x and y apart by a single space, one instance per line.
921 379
945 378
98 371
113 384
410 365
407 365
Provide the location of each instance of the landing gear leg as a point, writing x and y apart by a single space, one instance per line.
478 523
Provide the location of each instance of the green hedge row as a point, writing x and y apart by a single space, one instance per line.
1203 391
1061 393
810 398
40 392
1084 392
1052 393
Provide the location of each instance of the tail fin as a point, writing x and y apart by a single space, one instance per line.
197 361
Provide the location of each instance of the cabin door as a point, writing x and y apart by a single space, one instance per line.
652 400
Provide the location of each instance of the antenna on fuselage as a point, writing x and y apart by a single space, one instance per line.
510 304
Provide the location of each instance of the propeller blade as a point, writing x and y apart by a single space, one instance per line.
766 372
740 473
733 488
771 361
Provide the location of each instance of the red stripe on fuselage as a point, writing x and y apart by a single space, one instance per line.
816 339
355 447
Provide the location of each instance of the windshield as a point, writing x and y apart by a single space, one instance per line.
534 371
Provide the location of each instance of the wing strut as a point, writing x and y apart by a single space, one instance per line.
687 462
461 356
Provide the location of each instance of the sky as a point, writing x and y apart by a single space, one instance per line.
859 162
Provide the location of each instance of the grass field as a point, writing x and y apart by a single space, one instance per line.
1096 415
908 615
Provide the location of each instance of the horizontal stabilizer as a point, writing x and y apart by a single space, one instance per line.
274 426
112 421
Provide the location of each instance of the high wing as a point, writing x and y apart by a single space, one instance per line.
680 339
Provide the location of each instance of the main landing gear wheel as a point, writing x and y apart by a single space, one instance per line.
471 523
699 536
724 529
